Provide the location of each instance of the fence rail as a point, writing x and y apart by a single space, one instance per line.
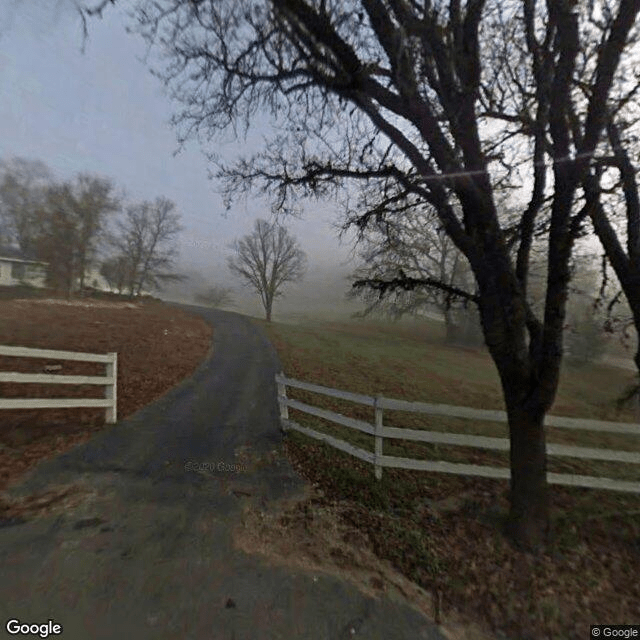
108 381
380 432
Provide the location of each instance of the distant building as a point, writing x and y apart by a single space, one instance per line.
17 268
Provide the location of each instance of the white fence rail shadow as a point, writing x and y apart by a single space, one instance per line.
108 381
379 431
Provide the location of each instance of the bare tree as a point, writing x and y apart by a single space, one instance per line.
146 244
57 237
23 185
117 272
93 202
603 202
61 223
415 245
267 259
216 296
603 58
69 225
414 100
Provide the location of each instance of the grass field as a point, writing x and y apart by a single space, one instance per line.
442 531
411 362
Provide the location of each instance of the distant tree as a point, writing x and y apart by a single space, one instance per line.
146 239
23 185
67 225
60 223
267 259
93 202
585 338
586 334
215 296
57 238
117 272
612 198
417 246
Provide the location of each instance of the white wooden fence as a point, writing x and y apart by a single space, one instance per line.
108 381
380 432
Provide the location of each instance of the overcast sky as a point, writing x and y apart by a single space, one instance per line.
103 112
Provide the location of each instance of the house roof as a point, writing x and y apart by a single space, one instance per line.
16 255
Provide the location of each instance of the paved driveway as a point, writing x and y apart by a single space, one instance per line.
148 551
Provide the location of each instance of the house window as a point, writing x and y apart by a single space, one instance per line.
17 271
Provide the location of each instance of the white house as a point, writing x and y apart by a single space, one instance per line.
17 268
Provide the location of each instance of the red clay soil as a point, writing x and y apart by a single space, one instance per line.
157 347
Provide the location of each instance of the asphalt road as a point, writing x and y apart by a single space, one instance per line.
148 552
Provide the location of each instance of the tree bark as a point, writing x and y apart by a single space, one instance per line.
528 521
528 396
267 300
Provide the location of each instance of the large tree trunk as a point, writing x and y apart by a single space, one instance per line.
528 396
528 519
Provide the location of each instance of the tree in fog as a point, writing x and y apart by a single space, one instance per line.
23 185
267 259
215 296
94 201
61 223
585 336
57 237
416 246
70 226
449 102
145 245
613 199
586 331
117 272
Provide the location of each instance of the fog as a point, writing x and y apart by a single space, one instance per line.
101 111
320 295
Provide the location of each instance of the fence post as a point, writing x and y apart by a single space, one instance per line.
111 390
282 398
378 437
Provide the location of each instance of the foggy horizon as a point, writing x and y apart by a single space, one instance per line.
102 112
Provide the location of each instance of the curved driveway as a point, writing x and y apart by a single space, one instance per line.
148 553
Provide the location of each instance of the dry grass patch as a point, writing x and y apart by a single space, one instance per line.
444 532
